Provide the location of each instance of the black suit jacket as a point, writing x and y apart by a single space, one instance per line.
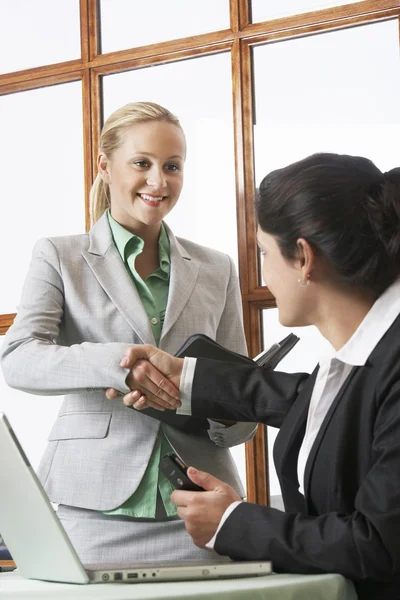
348 522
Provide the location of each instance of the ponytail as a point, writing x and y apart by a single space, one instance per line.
99 199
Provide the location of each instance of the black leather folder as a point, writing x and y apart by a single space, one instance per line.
199 345
202 346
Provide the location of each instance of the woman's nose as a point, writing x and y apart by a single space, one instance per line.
156 179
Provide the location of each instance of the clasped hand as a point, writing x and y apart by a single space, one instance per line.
202 511
153 378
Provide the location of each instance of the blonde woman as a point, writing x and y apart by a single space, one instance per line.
86 299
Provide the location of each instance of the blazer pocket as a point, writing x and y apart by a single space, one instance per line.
93 425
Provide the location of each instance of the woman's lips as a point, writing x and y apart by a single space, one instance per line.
151 200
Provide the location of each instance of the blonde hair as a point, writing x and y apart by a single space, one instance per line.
110 139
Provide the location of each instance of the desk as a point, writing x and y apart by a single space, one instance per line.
272 587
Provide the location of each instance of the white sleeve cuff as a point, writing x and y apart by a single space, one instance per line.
229 510
185 388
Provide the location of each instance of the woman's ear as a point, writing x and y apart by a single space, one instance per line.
306 258
103 168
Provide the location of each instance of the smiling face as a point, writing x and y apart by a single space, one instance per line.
281 276
145 174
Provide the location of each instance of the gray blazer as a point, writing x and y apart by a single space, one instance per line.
79 312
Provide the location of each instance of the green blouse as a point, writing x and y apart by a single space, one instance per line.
153 292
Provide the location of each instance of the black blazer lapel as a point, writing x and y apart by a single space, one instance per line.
287 446
322 431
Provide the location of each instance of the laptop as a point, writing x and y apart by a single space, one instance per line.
41 549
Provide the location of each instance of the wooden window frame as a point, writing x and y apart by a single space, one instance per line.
238 40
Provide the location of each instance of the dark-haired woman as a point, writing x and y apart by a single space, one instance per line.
329 231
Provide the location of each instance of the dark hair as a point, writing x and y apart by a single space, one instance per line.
345 207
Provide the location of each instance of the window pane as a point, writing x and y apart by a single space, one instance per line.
265 11
207 203
41 154
332 92
302 358
33 34
132 23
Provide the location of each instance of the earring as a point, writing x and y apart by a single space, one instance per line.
302 284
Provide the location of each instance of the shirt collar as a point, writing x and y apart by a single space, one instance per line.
372 328
122 237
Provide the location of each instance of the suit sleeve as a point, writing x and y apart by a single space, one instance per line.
363 544
223 390
33 358
230 334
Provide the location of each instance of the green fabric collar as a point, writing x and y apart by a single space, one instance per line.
127 242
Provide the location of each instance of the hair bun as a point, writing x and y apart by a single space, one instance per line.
384 213
392 176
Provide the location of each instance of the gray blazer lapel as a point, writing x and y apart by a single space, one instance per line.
105 262
183 277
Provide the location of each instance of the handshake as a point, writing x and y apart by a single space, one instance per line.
153 377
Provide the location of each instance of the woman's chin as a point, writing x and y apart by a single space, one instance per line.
286 320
